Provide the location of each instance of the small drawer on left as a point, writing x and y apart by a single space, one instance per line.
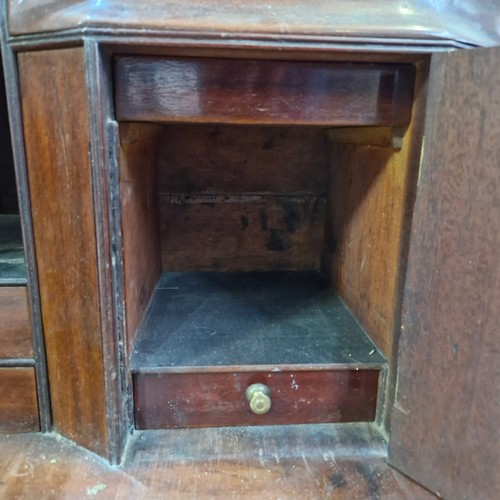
16 340
18 400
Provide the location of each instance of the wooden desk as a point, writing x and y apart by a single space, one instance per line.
411 201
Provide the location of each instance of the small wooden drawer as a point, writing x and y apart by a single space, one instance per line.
18 400
15 328
169 400
262 92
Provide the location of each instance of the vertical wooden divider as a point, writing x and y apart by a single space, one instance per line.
58 153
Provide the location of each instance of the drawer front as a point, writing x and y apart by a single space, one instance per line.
218 399
18 401
262 92
15 327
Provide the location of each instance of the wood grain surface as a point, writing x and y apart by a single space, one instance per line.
140 220
447 408
241 233
222 159
261 92
56 128
218 399
241 198
372 191
18 401
16 340
345 462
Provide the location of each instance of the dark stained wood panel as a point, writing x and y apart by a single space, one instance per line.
139 215
16 340
412 26
447 408
239 159
18 401
241 233
262 92
218 399
56 128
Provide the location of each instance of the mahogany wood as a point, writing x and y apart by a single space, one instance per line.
215 159
16 339
345 462
390 137
218 399
261 92
56 131
222 203
140 233
444 430
241 233
18 401
409 26
372 189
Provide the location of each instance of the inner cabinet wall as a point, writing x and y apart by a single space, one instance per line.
373 180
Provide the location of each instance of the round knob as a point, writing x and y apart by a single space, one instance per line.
259 397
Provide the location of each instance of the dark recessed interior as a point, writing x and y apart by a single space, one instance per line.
12 261
229 247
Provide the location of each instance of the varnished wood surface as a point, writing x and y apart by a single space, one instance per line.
411 23
261 92
218 399
218 159
56 129
140 220
446 413
313 462
16 340
18 401
372 189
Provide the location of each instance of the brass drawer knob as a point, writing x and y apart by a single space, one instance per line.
259 397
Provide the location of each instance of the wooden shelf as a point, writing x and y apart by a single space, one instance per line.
203 320
209 336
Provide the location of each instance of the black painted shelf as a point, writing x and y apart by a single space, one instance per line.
12 260
278 319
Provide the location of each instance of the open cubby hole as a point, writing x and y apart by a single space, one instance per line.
246 244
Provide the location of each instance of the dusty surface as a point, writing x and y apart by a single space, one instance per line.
212 463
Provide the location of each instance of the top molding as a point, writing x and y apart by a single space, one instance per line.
464 22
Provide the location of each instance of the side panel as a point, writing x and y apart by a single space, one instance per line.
447 406
56 129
